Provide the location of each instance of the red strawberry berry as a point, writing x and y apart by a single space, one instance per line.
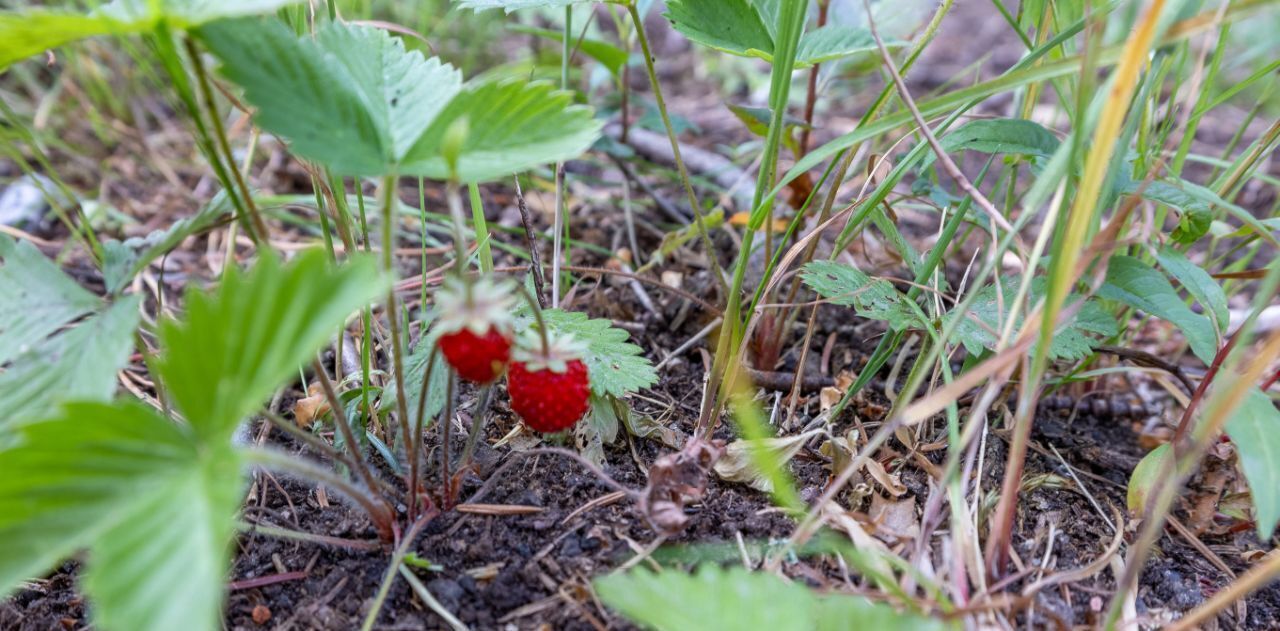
549 388
474 328
478 358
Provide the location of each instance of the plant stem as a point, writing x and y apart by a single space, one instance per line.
694 205
790 26
481 228
415 446
259 232
396 353
340 420
298 535
446 427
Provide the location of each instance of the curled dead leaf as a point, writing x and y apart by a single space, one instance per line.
307 409
675 480
737 466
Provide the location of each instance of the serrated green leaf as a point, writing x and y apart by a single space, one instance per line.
513 126
1255 431
36 298
124 259
393 106
1140 286
351 98
714 599
1197 282
876 299
79 364
52 504
163 565
234 347
157 544
981 324
1145 476
1003 135
615 366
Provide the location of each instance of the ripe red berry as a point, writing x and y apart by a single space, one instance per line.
547 400
474 328
478 358
549 385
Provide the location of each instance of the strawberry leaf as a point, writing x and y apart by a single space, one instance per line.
616 367
876 299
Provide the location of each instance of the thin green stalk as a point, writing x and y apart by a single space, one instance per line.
481 227
259 231
791 19
396 351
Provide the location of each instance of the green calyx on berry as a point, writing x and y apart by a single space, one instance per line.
558 352
484 306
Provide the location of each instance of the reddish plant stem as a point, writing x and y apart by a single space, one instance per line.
812 97
1184 424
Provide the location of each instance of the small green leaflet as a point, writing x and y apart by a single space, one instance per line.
981 324
715 599
1254 428
1002 135
1198 283
745 28
124 259
876 299
616 367
1140 286
610 56
395 105
29 32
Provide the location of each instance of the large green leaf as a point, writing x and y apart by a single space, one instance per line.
980 326
26 33
163 565
36 298
235 347
1002 135
714 599
1255 431
152 504
1140 286
616 367
79 364
355 100
871 298
745 28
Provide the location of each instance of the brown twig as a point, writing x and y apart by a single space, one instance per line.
535 262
